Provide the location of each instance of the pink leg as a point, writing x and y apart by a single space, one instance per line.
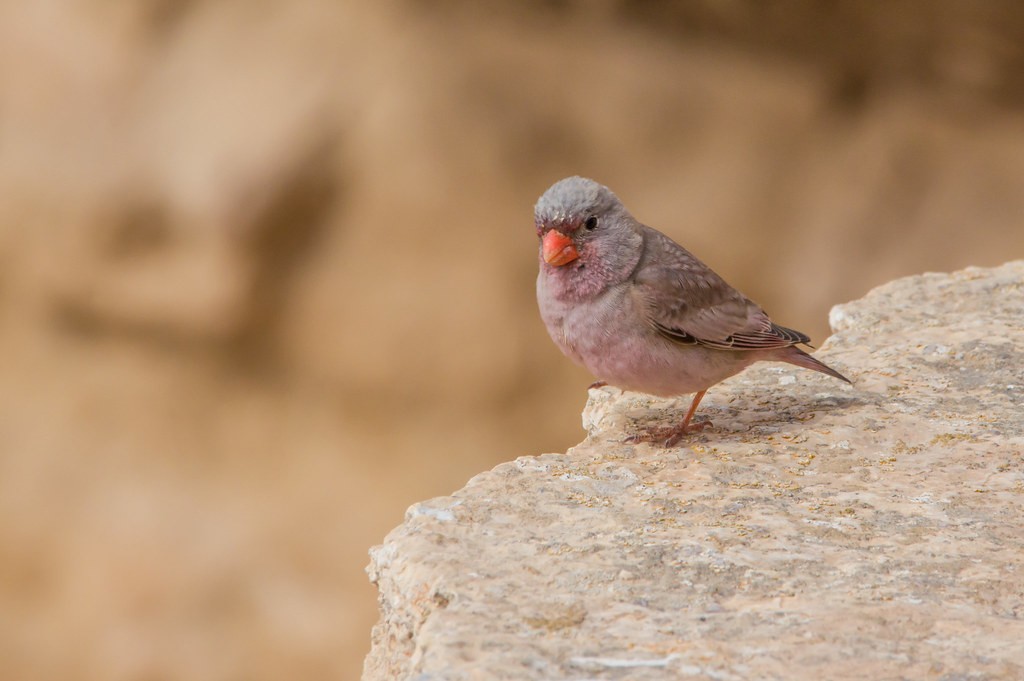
597 384
671 436
685 426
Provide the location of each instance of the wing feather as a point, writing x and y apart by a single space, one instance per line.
689 304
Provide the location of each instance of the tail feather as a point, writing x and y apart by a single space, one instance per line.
802 359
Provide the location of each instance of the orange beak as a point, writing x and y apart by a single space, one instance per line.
557 249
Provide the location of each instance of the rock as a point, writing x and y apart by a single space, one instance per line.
817 531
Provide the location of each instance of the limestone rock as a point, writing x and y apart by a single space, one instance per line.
817 531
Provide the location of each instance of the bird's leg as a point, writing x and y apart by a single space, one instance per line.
597 384
693 410
685 428
671 436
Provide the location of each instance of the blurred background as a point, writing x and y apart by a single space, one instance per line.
267 267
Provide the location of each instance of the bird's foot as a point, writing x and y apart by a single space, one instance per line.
669 437
597 384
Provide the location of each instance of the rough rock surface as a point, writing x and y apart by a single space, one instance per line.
817 531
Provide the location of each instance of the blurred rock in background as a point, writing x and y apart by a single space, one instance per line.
266 269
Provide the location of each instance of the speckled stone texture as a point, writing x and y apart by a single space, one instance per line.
817 531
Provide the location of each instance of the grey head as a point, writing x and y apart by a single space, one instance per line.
588 240
568 203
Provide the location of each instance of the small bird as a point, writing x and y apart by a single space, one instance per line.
641 312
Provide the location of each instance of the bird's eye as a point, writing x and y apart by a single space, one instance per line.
590 223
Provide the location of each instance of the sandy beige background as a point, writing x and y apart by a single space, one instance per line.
266 268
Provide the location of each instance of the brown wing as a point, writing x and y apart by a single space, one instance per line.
688 303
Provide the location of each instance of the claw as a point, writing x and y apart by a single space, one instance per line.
673 435
668 437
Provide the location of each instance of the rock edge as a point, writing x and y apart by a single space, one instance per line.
818 531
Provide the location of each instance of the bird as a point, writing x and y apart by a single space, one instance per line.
641 312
